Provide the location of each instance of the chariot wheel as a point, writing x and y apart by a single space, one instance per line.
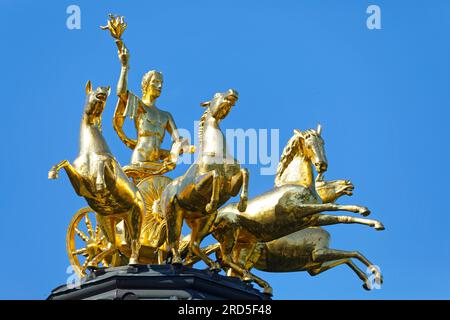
153 226
85 240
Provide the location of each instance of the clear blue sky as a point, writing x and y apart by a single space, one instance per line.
381 96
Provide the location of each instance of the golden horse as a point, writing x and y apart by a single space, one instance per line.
307 249
209 182
274 233
98 177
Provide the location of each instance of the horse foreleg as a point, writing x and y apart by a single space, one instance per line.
242 206
310 209
74 177
325 254
326 220
331 264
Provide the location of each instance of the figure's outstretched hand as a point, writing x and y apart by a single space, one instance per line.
124 55
116 26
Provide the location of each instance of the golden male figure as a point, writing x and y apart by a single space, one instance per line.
151 123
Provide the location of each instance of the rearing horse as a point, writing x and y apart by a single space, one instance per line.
291 206
98 177
209 182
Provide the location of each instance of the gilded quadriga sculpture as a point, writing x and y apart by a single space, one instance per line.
135 213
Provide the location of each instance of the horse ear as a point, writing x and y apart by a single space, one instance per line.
319 129
205 104
109 90
298 132
88 86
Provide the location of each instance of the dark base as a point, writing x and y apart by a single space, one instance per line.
157 282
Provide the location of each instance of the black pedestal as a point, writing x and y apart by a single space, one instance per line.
146 282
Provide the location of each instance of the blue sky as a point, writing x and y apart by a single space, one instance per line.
381 96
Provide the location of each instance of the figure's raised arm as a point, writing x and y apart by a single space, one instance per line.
116 27
122 87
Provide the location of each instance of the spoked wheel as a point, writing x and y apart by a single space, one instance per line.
84 241
153 227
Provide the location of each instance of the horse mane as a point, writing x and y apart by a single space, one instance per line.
201 126
286 157
289 154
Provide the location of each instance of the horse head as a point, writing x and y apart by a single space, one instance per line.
312 146
220 105
95 103
303 147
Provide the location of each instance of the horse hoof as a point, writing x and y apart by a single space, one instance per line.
379 226
210 208
177 261
366 287
133 262
100 186
374 270
92 267
364 211
53 174
242 206
268 291
215 267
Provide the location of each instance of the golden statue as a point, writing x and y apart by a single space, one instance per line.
98 177
208 183
151 122
140 220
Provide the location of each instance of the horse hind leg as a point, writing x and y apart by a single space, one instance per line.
239 182
209 181
334 263
248 256
200 229
174 220
133 223
242 205
211 207
107 225
228 251
327 255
